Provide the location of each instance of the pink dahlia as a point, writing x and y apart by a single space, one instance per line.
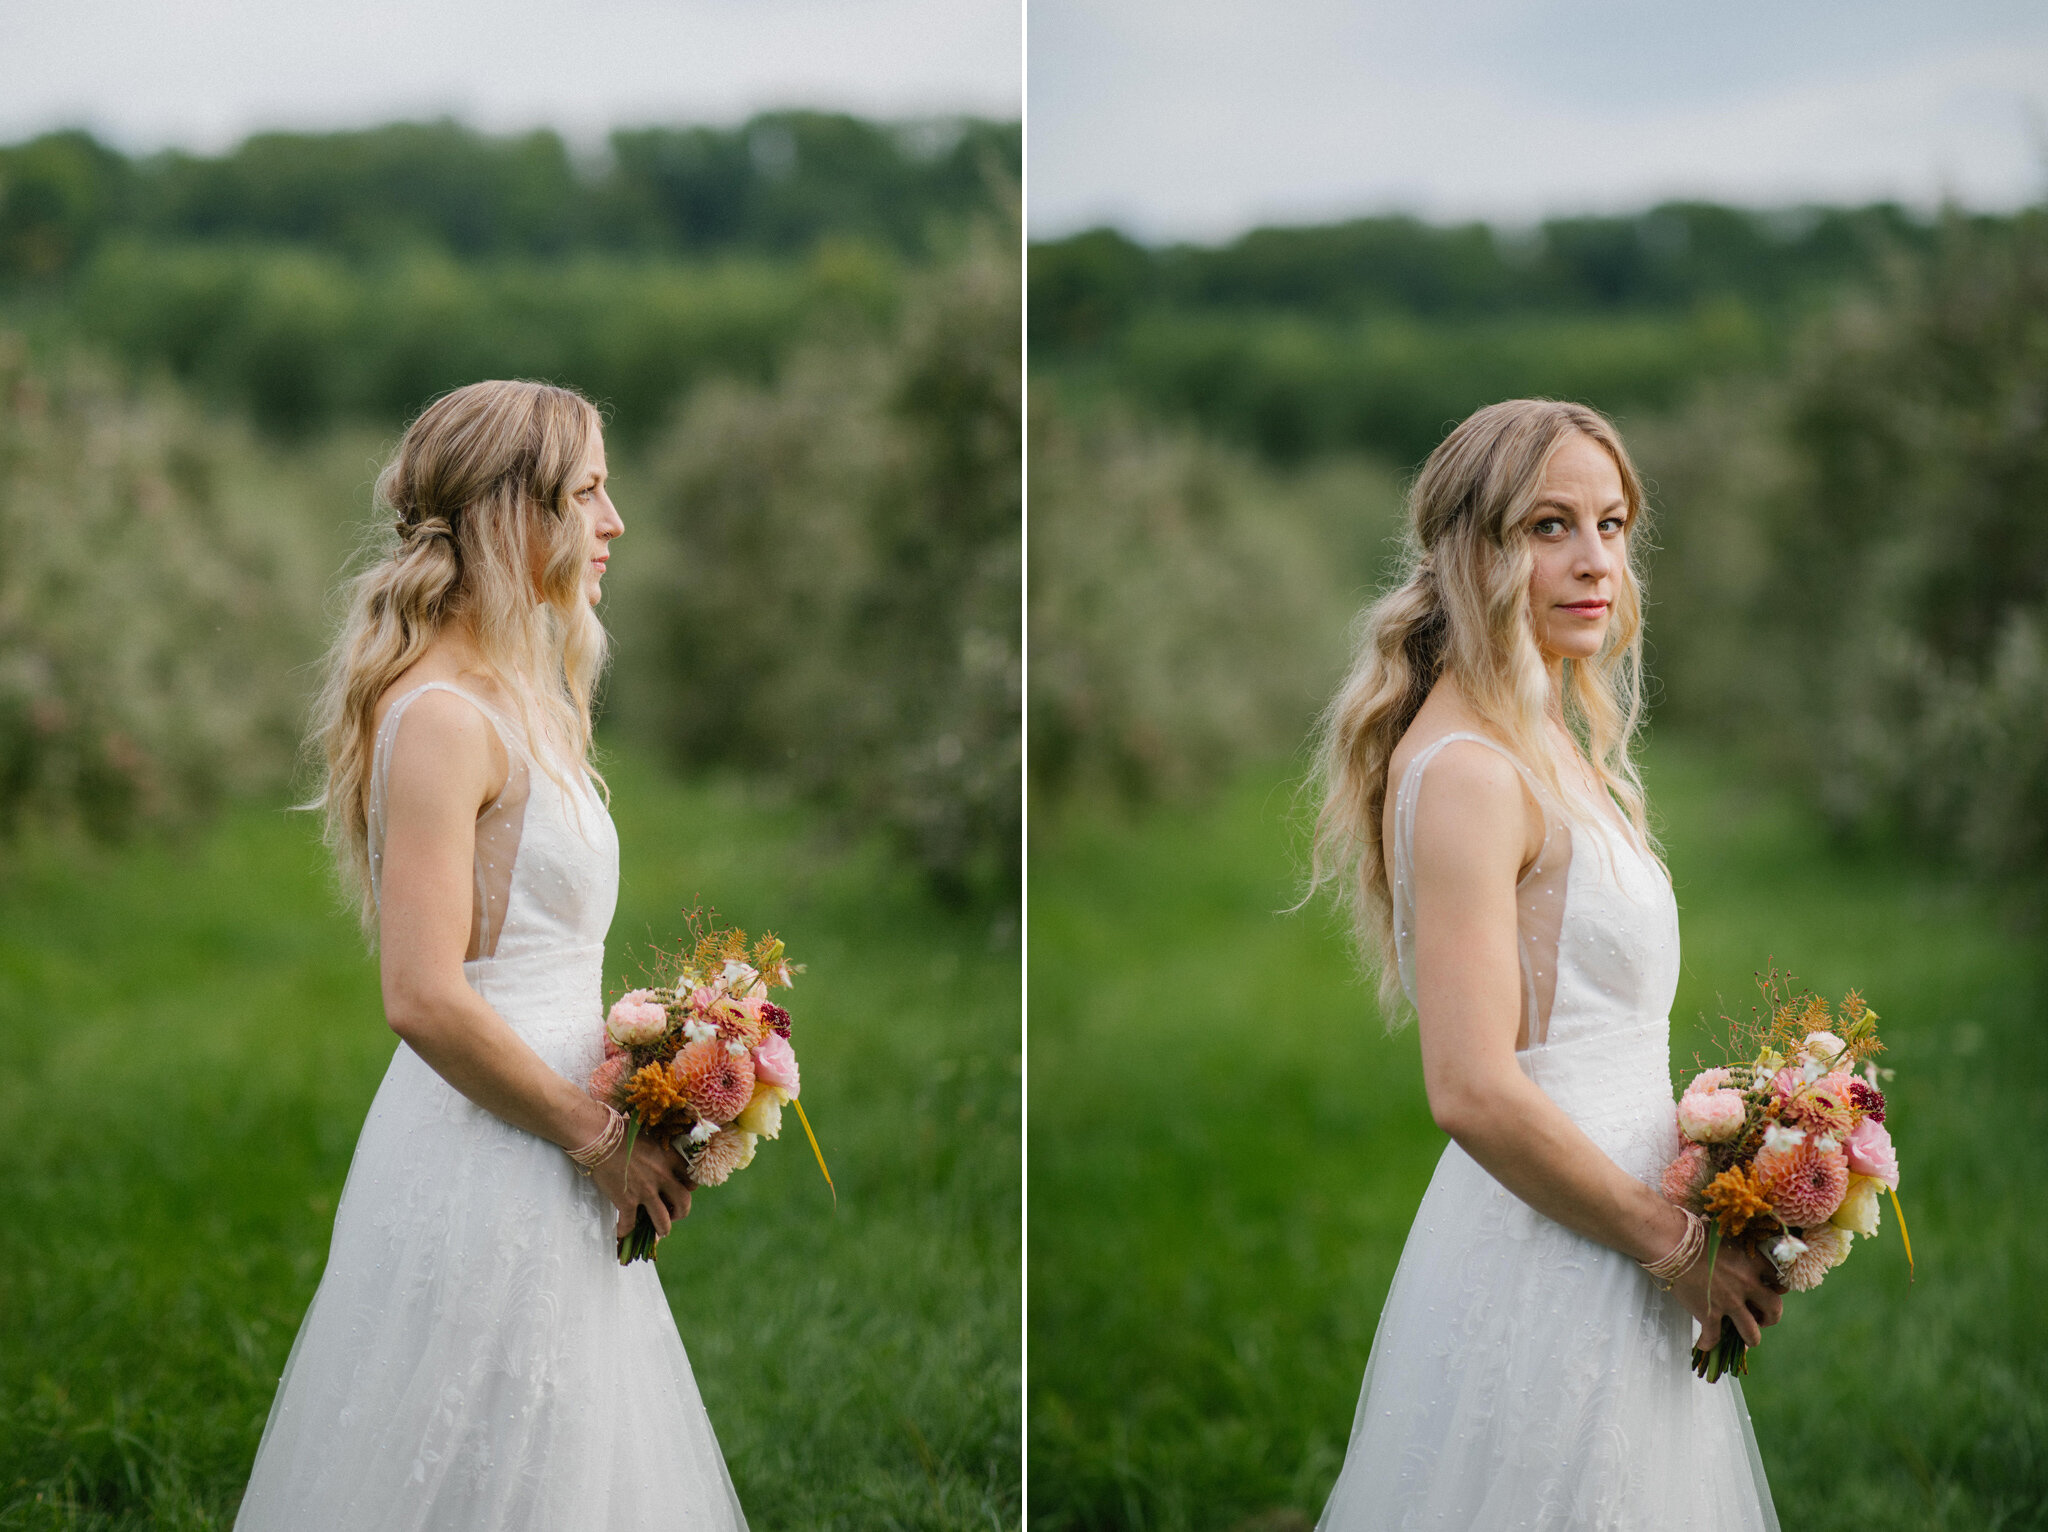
606 1079
1682 1177
727 1150
716 1082
1804 1182
1826 1248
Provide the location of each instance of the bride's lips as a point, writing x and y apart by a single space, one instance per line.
1592 608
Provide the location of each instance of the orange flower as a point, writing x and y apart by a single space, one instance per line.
1735 1198
653 1095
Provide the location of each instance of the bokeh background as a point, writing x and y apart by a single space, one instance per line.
239 247
1800 255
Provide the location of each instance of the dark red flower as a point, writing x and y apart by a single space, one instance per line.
1867 1099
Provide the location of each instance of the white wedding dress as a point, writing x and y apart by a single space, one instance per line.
475 1357
1523 1376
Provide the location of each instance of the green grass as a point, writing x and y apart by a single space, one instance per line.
1226 1152
190 1036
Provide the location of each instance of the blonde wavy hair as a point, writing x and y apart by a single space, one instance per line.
1461 608
479 491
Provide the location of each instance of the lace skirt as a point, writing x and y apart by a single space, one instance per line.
1526 1377
475 1357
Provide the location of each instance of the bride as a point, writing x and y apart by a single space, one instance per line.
475 1357
1483 819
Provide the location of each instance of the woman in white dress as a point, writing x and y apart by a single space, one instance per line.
1483 820
475 1357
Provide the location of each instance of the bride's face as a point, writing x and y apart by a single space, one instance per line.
601 521
1578 531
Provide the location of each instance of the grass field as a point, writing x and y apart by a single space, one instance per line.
1226 1152
190 1036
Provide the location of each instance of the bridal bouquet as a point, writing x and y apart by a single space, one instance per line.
703 1058
1787 1151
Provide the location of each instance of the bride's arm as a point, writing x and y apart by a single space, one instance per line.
442 772
1473 828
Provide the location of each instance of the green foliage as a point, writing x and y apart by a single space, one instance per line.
1878 513
189 1040
1183 600
1294 386
1224 1168
1379 333
299 338
1670 258
830 583
58 193
780 184
151 600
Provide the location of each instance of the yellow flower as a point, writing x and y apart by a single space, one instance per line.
1859 1209
763 1114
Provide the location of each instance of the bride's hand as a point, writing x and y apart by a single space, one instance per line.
652 1177
1744 1289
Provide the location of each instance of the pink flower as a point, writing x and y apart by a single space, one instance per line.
775 1062
1870 1152
716 1085
1826 1248
607 1077
1710 1117
729 1149
637 1019
1707 1080
1683 1175
1805 1182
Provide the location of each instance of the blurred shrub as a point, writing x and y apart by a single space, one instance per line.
1188 604
828 580
1857 556
152 602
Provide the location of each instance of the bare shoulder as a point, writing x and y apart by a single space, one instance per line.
445 748
1474 808
1471 778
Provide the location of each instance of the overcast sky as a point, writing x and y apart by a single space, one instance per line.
204 73
1199 118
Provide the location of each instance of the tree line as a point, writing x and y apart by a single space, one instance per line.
1376 333
775 185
